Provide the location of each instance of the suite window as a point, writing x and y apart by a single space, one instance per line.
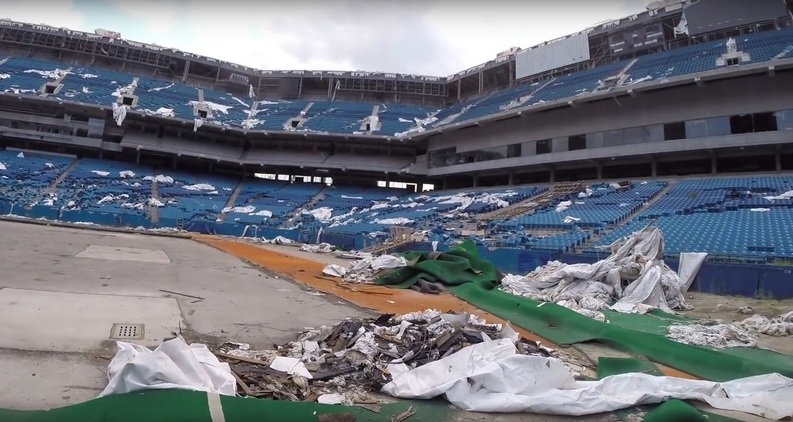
718 126
676 130
594 140
440 158
696 129
784 120
489 154
643 134
543 147
751 123
612 138
576 142
513 150
764 122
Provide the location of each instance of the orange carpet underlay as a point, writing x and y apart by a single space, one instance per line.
376 298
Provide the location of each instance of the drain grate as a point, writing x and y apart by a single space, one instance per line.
126 332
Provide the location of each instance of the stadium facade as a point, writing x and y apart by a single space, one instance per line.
682 88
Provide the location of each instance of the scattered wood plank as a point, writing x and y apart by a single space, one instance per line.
241 359
247 390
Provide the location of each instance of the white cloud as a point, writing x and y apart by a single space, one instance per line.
440 37
61 13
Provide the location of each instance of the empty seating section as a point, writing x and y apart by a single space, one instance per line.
108 187
227 108
492 103
761 47
93 85
26 76
325 116
420 210
342 200
599 206
734 216
274 115
698 58
740 216
255 203
578 83
154 95
768 45
269 202
25 178
563 242
185 197
397 118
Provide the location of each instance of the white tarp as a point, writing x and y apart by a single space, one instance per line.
363 270
492 377
590 288
172 365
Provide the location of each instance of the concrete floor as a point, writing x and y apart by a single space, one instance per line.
61 290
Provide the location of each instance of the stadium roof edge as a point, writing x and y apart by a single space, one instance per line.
713 75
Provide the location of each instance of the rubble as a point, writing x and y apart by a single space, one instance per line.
737 334
351 361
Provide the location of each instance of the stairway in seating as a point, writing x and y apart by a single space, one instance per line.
232 199
528 206
54 185
596 237
154 210
289 217
62 177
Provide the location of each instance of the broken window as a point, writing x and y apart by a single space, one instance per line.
543 147
576 142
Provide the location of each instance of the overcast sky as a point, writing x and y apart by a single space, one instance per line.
429 37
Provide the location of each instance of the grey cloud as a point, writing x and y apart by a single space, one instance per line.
392 37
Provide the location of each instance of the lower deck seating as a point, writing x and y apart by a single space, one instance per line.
746 216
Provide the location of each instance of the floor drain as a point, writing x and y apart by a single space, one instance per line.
127 332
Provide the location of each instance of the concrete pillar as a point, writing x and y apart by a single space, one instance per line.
552 176
186 71
599 167
713 164
511 179
654 168
476 181
778 160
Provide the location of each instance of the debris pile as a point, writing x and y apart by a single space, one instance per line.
737 334
366 269
633 279
352 360
319 248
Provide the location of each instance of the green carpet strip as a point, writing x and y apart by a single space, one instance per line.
475 281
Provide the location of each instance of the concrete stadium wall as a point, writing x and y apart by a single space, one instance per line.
748 94
750 280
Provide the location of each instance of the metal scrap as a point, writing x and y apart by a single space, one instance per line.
351 361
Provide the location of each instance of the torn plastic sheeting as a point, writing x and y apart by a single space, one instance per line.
594 287
172 365
320 248
290 366
492 377
363 270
